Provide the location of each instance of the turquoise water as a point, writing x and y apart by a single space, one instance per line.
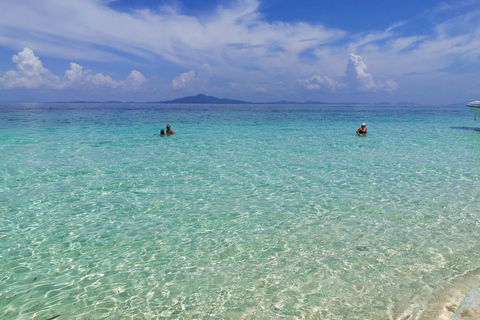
247 212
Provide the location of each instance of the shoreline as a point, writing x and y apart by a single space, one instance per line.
458 299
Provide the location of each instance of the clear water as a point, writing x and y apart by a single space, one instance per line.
247 212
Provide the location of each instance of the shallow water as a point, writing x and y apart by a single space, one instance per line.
254 212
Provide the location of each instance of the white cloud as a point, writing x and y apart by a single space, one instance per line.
31 74
231 40
356 74
319 83
75 75
183 80
389 85
135 81
357 77
100 80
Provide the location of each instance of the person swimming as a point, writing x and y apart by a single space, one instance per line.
162 133
169 130
362 130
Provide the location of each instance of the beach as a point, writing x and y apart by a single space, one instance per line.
247 212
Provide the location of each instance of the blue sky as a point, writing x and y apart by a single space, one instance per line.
425 52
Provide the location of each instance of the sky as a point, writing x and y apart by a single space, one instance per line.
408 51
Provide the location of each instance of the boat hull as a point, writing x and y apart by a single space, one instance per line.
476 110
474 105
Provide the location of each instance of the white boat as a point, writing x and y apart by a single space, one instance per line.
474 105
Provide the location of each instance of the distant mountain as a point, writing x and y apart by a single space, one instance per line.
315 102
279 102
86 101
202 99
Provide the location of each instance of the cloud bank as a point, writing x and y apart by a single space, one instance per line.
31 74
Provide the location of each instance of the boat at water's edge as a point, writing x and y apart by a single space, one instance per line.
474 105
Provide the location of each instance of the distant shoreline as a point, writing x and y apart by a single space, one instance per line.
203 99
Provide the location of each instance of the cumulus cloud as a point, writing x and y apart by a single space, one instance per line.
357 77
77 77
31 74
183 80
135 81
322 83
75 74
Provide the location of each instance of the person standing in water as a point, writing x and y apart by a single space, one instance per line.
363 129
161 134
169 130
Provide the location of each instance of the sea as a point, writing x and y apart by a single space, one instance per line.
246 212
